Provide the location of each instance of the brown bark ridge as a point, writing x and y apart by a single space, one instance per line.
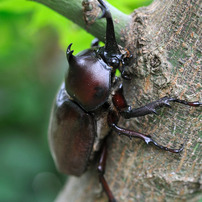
165 40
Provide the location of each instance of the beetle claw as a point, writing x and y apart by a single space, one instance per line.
154 111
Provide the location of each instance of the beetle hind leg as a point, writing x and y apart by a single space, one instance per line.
101 171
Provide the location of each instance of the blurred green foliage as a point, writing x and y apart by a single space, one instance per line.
33 40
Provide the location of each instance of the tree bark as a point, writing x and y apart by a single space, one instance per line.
165 40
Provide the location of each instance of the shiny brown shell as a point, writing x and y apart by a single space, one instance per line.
88 80
71 135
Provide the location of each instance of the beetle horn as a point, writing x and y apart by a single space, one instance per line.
110 44
69 52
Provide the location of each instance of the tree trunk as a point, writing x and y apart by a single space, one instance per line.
165 40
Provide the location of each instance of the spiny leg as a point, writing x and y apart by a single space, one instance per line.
112 121
126 111
101 170
153 106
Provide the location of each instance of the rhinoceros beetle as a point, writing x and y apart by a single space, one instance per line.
89 104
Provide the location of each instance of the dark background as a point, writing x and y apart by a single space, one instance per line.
33 40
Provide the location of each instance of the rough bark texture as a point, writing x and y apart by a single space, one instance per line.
165 39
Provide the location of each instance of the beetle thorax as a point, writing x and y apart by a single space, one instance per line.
88 81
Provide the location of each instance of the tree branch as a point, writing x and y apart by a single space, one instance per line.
85 12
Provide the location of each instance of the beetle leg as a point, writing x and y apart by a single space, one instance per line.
126 111
151 107
113 118
101 170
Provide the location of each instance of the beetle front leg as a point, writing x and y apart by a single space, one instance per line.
101 170
126 111
113 118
